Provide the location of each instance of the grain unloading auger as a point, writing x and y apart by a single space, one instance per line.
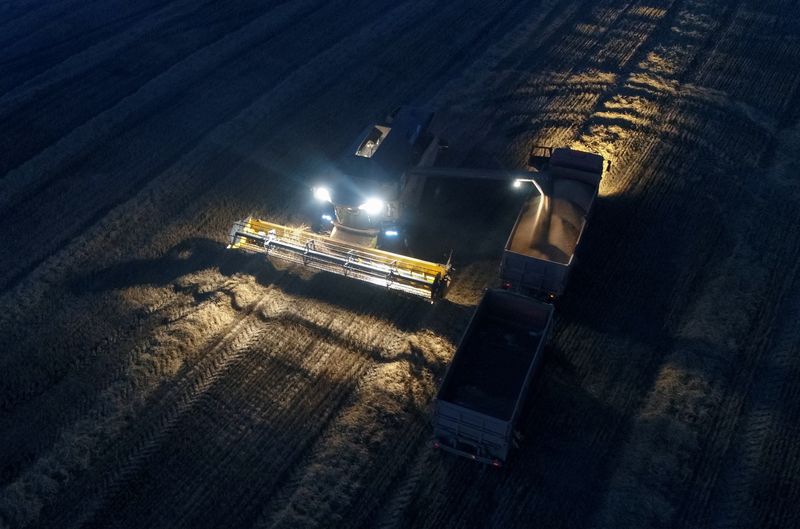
378 267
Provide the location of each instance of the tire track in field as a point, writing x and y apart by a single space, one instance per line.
553 114
275 341
159 357
284 382
159 421
352 466
293 425
349 363
394 513
69 335
737 459
116 367
733 503
761 300
95 432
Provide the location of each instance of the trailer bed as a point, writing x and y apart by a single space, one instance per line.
494 364
541 247
482 393
549 227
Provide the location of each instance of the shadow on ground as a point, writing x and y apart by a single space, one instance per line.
198 254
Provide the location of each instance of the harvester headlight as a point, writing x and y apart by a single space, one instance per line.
517 183
322 194
373 206
391 233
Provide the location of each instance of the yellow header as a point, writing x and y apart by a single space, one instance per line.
429 270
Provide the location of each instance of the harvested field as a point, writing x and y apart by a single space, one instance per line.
152 379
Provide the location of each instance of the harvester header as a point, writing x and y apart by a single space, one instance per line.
378 267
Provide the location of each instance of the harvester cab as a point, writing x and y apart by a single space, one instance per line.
366 198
